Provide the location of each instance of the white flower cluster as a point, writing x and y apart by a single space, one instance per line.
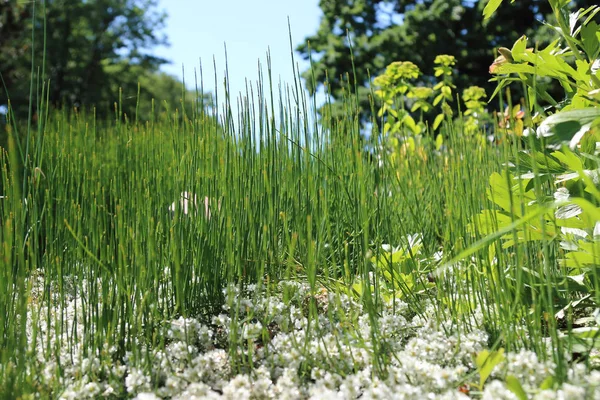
274 346
58 329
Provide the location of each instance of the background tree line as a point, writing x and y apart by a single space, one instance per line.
95 47
384 31
88 51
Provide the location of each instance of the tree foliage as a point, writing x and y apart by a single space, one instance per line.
92 53
384 31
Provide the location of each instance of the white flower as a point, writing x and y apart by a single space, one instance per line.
389 249
497 390
136 381
239 388
188 201
545 395
571 392
561 194
146 396
197 391
91 390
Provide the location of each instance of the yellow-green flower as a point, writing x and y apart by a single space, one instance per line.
395 79
445 63
420 92
473 93
402 70
445 60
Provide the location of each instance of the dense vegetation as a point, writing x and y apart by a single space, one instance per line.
371 34
186 256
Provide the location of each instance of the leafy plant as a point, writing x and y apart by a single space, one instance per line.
475 113
546 199
443 69
393 85
513 203
486 361
515 386
580 82
401 271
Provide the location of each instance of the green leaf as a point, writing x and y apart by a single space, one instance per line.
545 163
568 126
516 69
508 196
590 39
357 288
486 362
583 116
588 332
439 141
488 222
588 146
570 159
438 120
548 383
387 127
488 240
519 48
513 384
551 65
587 255
410 123
490 8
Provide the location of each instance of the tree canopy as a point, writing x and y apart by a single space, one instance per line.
88 51
384 31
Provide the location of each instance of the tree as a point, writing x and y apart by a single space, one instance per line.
165 94
14 19
90 48
384 31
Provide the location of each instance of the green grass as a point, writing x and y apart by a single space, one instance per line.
89 214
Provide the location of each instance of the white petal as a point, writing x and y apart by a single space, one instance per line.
528 175
574 232
561 194
597 230
568 211
573 18
569 246
544 130
577 137
593 174
566 177
595 66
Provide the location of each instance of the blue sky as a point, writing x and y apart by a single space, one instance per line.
198 29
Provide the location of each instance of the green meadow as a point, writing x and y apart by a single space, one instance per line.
282 253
